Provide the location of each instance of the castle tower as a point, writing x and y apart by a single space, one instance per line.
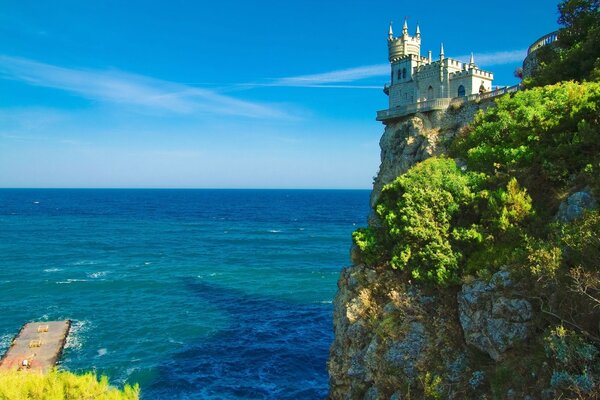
404 45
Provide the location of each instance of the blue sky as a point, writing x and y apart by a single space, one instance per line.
221 94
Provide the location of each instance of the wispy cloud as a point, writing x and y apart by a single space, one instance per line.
343 77
496 58
113 86
338 76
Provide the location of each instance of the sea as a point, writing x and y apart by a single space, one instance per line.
192 294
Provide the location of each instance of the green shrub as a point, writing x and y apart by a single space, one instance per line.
573 359
548 137
436 216
419 213
59 385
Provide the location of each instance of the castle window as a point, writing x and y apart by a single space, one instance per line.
403 73
429 93
399 74
461 91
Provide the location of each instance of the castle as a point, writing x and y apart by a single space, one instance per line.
419 83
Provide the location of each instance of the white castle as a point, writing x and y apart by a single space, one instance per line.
420 83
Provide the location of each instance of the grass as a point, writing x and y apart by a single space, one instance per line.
59 385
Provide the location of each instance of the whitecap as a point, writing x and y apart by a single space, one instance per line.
5 341
274 230
36 202
98 274
102 352
76 333
72 280
53 269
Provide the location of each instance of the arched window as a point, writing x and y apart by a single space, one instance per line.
461 91
392 77
399 74
429 93
403 73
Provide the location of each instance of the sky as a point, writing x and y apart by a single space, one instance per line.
222 94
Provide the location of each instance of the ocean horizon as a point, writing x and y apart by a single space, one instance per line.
192 293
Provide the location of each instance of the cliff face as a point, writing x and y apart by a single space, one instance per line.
417 137
395 339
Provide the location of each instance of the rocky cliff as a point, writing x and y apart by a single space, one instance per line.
397 339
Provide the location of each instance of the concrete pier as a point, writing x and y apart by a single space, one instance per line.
37 346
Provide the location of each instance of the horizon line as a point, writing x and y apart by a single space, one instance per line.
175 188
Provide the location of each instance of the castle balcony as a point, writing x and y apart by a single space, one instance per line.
543 41
441 104
422 106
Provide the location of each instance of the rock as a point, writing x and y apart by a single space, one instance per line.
357 367
396 396
404 354
572 208
492 317
372 394
371 359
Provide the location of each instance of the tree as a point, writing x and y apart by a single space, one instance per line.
576 54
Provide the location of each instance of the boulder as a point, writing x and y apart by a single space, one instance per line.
492 315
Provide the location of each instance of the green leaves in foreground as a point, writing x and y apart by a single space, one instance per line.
59 385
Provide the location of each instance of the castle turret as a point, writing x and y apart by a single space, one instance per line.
472 61
403 45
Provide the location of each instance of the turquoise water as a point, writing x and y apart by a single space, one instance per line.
199 294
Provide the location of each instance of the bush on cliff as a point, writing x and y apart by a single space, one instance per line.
436 216
548 138
59 385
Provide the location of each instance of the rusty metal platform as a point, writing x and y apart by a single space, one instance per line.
37 346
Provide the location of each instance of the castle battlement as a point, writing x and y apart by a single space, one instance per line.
416 79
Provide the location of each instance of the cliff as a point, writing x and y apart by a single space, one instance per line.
490 334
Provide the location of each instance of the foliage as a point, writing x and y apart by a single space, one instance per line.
582 241
436 216
55 385
576 54
419 228
574 360
549 137
432 386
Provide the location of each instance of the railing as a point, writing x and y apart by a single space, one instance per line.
441 104
543 41
428 105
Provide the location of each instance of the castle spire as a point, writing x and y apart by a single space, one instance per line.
418 33
472 61
442 51
405 27
391 32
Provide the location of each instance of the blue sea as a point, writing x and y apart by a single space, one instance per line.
193 294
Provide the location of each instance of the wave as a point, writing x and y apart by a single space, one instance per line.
98 274
72 280
75 338
53 269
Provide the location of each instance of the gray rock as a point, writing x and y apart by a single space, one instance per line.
371 359
396 396
404 354
492 317
357 367
572 208
357 334
372 394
